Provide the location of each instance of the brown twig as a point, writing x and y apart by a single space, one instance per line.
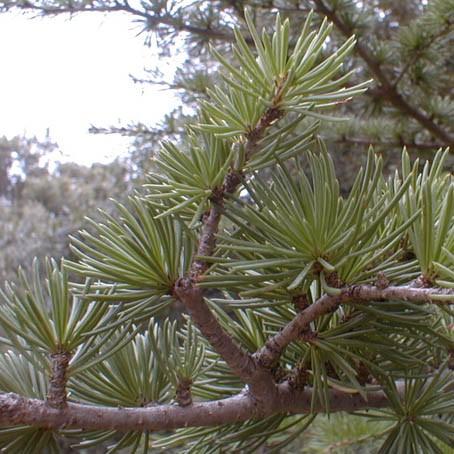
238 360
263 396
260 380
270 353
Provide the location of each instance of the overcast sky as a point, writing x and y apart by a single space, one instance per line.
68 74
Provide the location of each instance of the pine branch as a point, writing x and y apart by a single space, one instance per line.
152 20
264 394
155 20
389 90
270 353
16 410
240 362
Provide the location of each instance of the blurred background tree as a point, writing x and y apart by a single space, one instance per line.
42 201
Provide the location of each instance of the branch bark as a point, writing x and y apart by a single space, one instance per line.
263 396
16 410
239 361
269 354
56 397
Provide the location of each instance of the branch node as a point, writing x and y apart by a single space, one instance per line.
307 335
298 378
183 392
381 281
422 282
300 302
232 181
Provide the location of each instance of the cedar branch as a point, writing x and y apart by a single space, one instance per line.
153 21
239 361
273 348
16 410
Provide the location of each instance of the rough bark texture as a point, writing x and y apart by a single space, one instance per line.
56 396
239 361
16 410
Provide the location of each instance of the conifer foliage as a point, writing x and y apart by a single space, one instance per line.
297 300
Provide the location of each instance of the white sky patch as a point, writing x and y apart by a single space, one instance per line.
66 75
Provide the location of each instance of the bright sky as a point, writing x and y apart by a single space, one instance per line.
66 75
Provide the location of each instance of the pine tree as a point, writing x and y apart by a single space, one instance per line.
218 310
